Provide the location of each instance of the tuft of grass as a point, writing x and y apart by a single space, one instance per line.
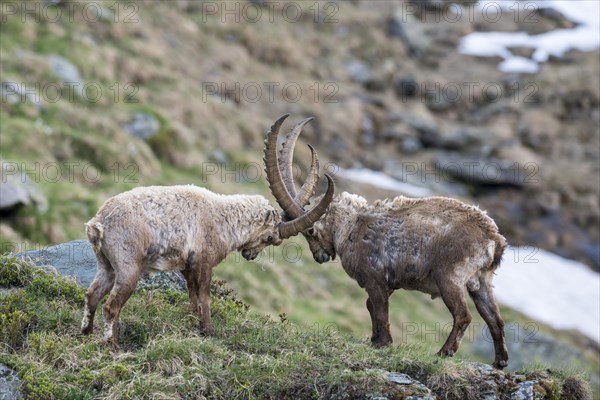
15 273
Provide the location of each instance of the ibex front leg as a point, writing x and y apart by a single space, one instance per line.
378 306
198 279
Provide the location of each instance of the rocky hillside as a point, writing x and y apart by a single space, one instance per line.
100 98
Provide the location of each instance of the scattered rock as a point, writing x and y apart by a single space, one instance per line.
13 195
526 52
592 250
218 156
404 386
358 71
524 392
67 72
143 125
480 171
77 259
430 5
544 19
17 189
493 108
464 138
393 134
375 84
367 130
539 129
440 98
410 30
485 383
10 386
410 145
406 87
401 379
428 131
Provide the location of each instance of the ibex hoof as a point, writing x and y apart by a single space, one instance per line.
208 331
111 342
445 353
500 364
378 344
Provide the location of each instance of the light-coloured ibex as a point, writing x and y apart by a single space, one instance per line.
435 245
185 228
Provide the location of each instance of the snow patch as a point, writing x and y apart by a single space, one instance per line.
519 64
584 37
560 292
383 181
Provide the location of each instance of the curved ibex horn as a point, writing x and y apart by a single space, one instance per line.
285 166
295 226
283 188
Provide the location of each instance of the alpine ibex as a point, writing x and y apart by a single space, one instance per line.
185 228
435 245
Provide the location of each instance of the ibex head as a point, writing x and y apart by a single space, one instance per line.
266 235
292 202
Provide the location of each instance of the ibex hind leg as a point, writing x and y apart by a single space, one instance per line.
102 284
454 297
373 321
125 283
486 305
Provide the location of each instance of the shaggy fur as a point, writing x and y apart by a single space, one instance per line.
183 228
435 245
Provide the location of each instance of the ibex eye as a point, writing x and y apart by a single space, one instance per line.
270 239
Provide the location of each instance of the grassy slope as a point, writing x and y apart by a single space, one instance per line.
162 356
84 132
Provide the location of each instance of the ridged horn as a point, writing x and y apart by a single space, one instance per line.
297 225
286 156
308 187
276 184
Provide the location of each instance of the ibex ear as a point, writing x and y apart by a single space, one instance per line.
268 216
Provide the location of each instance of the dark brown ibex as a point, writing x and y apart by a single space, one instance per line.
435 245
185 228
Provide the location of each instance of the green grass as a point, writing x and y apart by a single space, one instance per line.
163 356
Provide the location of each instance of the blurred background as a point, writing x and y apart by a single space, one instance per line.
492 102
